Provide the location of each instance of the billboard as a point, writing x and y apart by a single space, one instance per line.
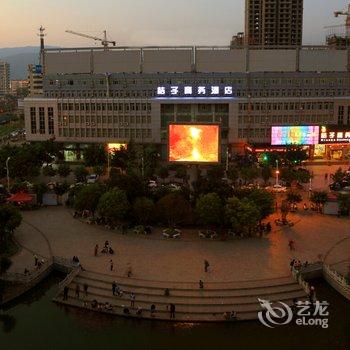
333 134
194 143
294 135
191 91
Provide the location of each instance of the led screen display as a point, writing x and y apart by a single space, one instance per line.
294 135
194 143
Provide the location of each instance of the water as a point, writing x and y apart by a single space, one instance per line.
35 322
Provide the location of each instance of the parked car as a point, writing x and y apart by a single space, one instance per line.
276 189
92 178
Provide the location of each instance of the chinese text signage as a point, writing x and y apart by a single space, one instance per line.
334 134
189 91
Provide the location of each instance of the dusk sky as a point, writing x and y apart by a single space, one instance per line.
144 22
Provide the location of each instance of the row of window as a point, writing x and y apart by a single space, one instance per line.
104 119
44 119
104 107
138 134
188 108
286 106
283 119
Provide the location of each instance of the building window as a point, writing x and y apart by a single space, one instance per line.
341 115
41 120
50 117
33 120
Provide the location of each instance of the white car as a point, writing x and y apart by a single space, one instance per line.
92 178
152 184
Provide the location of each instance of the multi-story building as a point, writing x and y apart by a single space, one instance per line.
4 78
94 95
17 85
273 22
35 80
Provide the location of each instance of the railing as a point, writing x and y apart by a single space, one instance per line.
337 281
69 278
297 274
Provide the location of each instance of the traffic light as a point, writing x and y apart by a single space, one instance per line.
265 157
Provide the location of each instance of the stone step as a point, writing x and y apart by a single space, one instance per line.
189 293
195 300
188 305
161 285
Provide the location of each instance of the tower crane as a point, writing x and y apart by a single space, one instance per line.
105 42
347 23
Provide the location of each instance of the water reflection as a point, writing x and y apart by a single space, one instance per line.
8 322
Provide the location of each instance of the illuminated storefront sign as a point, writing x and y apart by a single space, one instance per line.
189 91
294 135
193 143
114 147
334 134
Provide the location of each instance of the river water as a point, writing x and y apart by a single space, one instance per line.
35 322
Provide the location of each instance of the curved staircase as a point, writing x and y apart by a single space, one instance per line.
192 304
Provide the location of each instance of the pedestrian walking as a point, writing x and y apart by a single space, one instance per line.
291 245
206 265
77 291
111 266
292 264
201 284
36 260
312 294
65 293
114 287
172 311
86 289
132 299
96 249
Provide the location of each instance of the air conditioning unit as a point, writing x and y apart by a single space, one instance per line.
93 124
87 124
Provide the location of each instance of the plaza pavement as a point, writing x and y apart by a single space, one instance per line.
53 231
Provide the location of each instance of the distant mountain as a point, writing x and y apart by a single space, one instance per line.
19 58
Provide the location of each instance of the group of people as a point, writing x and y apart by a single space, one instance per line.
107 249
298 265
230 316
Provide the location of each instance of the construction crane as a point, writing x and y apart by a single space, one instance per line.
347 23
105 42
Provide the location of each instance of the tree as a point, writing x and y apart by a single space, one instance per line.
173 209
249 174
285 208
95 154
295 155
10 219
233 173
163 172
242 215
61 188
143 208
98 169
87 198
48 170
319 198
263 200
80 173
114 205
5 264
344 203
266 173
339 176
209 209
63 170
294 197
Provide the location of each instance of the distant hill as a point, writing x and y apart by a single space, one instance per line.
19 58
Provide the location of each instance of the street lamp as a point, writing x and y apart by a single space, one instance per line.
8 174
277 173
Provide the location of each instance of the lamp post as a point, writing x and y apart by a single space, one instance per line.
277 173
8 174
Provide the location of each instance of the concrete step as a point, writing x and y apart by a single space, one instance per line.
209 286
189 293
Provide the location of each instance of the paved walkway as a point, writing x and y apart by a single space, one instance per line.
53 231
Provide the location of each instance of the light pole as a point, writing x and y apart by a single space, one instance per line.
277 173
8 174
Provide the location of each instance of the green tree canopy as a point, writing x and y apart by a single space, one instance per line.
249 173
63 170
264 202
209 209
10 219
294 197
319 198
173 209
80 173
95 154
114 205
143 209
87 197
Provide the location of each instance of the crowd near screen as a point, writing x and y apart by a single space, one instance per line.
194 143
295 135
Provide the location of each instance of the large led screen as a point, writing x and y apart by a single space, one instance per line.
294 135
194 143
